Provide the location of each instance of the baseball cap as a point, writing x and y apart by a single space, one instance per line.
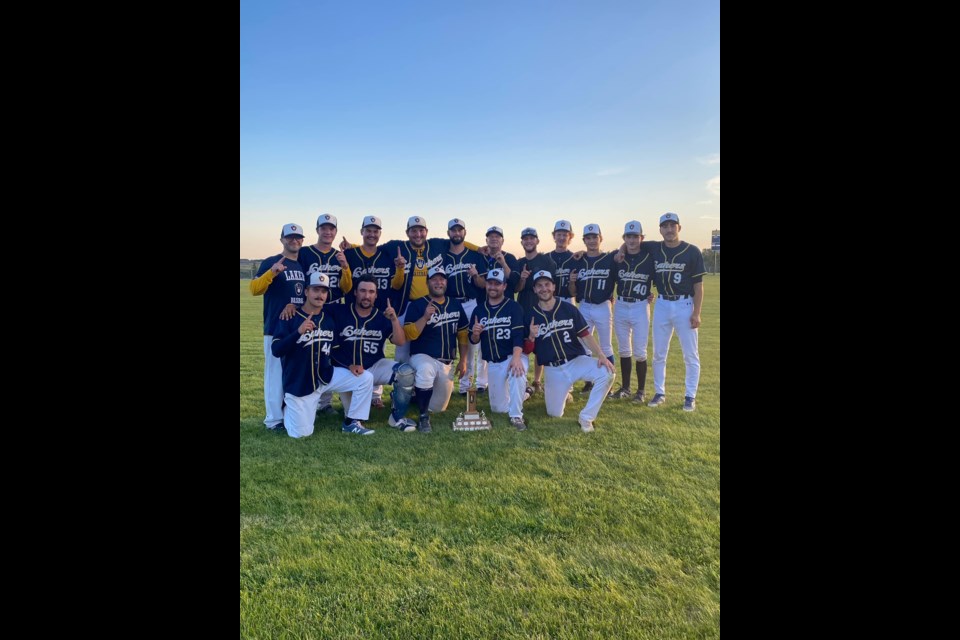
416 221
495 230
496 274
326 218
319 280
529 231
292 230
633 228
456 222
592 230
539 275
669 217
372 221
436 271
563 225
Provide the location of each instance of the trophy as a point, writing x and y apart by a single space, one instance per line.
472 420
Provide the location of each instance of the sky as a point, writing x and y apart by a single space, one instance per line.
512 114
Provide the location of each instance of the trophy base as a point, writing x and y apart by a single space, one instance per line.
472 422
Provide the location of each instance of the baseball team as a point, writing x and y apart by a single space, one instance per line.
457 312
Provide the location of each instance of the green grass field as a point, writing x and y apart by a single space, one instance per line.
550 533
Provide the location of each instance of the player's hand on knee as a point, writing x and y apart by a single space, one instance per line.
356 370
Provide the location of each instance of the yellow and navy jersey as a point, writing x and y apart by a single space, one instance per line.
439 338
306 360
419 262
560 329
596 278
503 329
678 269
278 291
359 341
635 276
380 266
315 261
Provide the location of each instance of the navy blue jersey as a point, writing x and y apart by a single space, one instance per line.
315 261
360 341
635 276
504 329
419 263
381 267
596 278
286 288
564 261
439 337
678 269
305 359
459 283
559 330
528 297
514 264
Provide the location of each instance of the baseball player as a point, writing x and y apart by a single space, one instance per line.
362 333
385 268
496 258
497 326
324 258
532 262
465 285
554 328
592 282
679 280
436 325
304 344
281 282
631 313
563 257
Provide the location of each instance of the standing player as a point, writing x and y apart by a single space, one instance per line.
632 310
563 257
554 328
281 282
532 262
498 329
592 281
362 333
679 280
465 285
440 327
304 343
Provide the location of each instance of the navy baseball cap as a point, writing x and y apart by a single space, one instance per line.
292 230
529 231
319 280
436 271
540 275
669 217
496 274
326 218
633 228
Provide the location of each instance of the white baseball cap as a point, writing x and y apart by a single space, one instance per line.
292 230
633 228
372 221
564 225
669 217
496 274
592 230
437 271
457 222
529 231
326 218
416 221
319 280
495 230
539 275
